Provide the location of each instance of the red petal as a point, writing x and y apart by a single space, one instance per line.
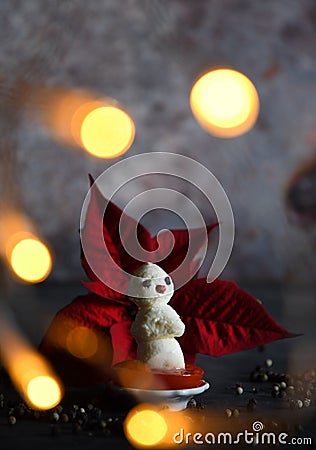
221 318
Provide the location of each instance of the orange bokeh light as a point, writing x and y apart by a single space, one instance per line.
81 118
82 342
107 132
43 392
28 257
145 426
30 372
225 103
135 374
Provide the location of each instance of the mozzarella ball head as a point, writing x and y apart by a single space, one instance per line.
150 284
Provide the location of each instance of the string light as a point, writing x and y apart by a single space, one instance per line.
107 132
43 392
145 427
76 117
225 103
31 374
82 342
30 259
27 256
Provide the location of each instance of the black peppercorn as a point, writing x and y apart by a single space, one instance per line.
271 375
307 402
290 390
97 413
282 394
254 376
191 403
64 418
239 390
12 420
55 416
102 424
268 362
308 393
200 405
20 410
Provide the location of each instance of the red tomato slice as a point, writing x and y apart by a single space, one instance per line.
135 374
186 378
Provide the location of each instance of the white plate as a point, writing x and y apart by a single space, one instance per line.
175 399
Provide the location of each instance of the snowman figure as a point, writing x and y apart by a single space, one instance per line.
156 324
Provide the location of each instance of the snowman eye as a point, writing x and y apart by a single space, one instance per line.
167 280
146 283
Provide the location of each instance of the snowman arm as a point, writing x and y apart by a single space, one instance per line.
170 326
141 331
156 324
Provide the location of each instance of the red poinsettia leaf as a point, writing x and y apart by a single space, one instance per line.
124 345
96 312
95 242
108 251
91 311
87 312
100 289
103 241
222 318
179 262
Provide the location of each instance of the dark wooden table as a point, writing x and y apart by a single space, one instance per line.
294 307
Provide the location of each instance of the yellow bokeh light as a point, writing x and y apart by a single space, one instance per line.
83 118
30 260
107 132
31 374
225 103
145 427
82 342
43 392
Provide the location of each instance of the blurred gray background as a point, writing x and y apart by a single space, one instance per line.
147 54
